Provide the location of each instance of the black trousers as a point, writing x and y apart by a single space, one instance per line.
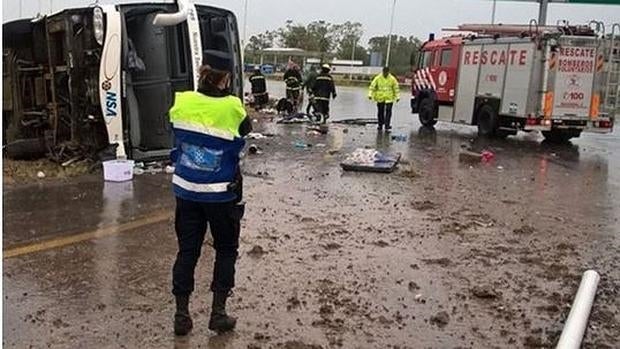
384 114
191 221
322 106
261 99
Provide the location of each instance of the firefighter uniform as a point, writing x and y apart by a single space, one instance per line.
323 89
293 81
207 184
385 91
259 89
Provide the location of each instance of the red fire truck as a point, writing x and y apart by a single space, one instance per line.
503 78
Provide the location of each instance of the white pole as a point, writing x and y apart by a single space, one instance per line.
580 311
389 48
542 14
352 58
245 23
493 13
51 6
20 9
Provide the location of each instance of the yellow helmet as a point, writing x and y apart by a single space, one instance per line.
326 66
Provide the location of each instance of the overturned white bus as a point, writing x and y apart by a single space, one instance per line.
99 80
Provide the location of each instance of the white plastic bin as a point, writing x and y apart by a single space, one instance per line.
118 170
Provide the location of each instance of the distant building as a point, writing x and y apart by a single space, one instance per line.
376 59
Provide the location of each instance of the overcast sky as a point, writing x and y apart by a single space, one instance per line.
413 17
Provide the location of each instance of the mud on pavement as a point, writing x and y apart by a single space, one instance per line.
439 254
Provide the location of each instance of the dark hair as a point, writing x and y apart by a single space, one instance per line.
386 69
210 79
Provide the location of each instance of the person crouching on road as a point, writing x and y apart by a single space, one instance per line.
385 91
323 90
259 89
208 127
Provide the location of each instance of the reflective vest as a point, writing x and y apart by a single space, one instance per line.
207 146
384 90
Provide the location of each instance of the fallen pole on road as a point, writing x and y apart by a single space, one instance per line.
577 320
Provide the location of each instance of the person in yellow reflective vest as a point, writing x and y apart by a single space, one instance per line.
385 91
208 127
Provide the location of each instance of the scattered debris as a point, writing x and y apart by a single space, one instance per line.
370 160
254 149
357 121
399 138
413 286
468 156
487 156
40 174
257 251
256 135
302 144
440 319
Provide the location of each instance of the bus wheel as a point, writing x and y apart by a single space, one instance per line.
560 136
427 112
487 121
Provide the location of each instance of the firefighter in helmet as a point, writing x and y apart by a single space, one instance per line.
259 88
292 79
323 90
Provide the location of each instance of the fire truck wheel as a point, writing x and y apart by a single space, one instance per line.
427 112
487 121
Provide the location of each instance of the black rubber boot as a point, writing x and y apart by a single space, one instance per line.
182 321
220 321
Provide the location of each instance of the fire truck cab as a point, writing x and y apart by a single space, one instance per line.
502 79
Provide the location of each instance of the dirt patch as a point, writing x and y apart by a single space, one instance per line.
257 251
442 262
424 205
524 230
484 292
15 171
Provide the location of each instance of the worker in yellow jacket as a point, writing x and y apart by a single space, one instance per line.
384 90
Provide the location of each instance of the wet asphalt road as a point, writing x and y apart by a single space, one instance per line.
440 254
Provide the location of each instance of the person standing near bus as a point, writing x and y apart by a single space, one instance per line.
208 127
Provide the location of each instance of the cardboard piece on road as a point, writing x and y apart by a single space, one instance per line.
384 163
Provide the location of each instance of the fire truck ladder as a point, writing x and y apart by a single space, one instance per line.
611 104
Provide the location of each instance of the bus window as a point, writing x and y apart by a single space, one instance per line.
446 57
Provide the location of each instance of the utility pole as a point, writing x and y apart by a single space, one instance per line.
493 13
245 23
353 56
389 48
542 14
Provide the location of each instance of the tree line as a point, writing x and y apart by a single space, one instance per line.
335 40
